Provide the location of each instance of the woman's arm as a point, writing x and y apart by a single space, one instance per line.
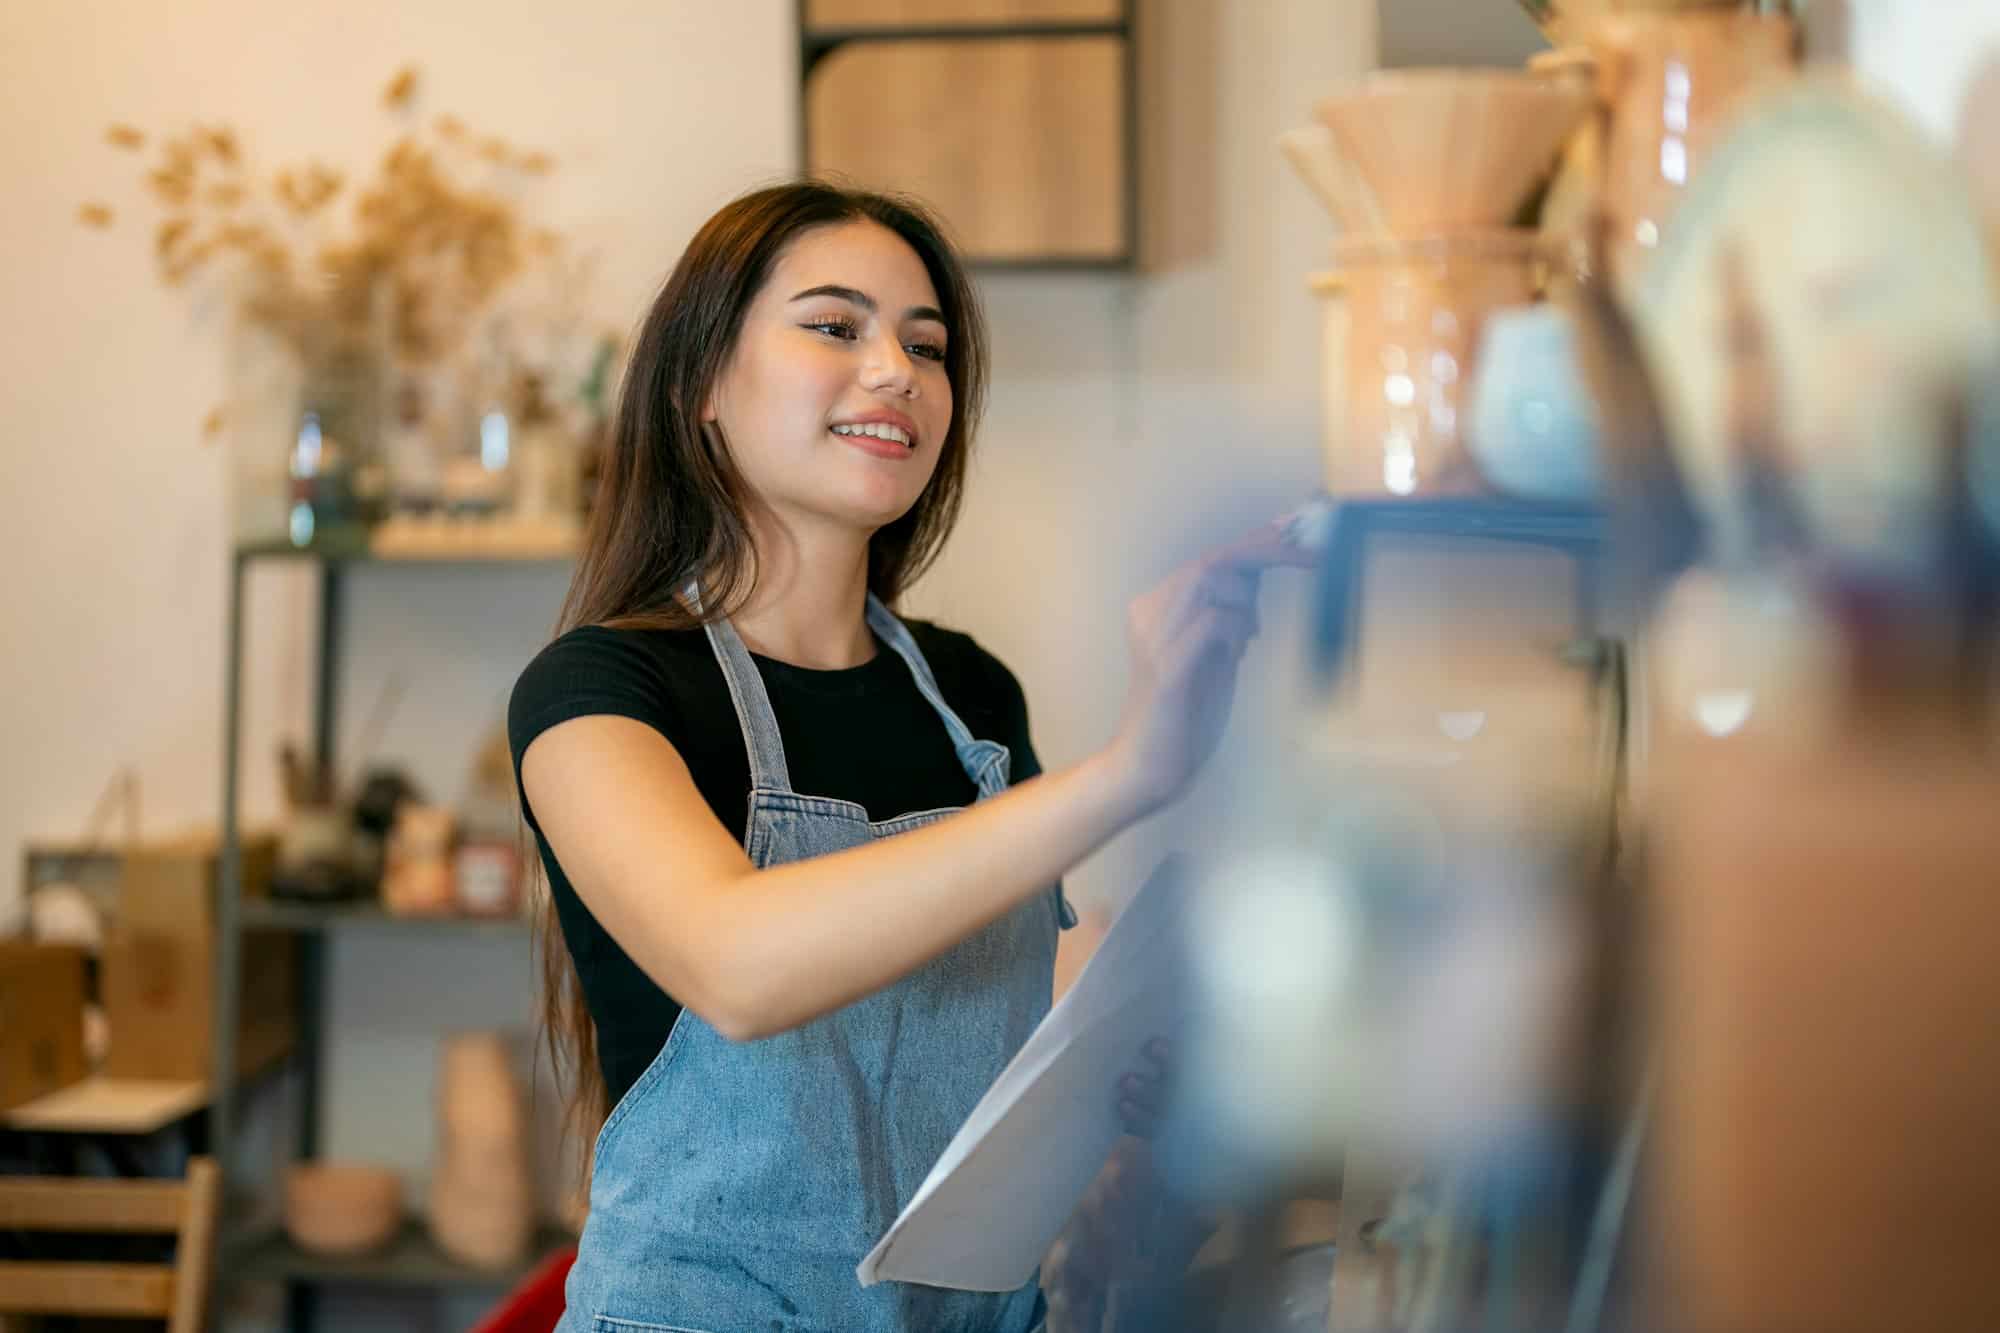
756 952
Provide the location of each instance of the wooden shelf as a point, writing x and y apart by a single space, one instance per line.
100 1105
361 555
275 914
1032 159
410 1260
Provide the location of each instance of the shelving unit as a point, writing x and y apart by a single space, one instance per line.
410 1260
996 26
1578 530
252 1248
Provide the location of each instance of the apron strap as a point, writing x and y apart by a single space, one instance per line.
753 703
985 762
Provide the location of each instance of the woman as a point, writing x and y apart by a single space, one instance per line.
792 1010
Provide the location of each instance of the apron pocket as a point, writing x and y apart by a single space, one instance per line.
605 1323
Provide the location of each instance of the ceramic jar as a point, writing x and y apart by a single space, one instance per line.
482 1205
1666 85
1410 315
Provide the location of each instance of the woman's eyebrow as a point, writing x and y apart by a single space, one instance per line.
854 296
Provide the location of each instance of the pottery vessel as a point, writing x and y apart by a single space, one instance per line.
342 1208
482 1207
1667 85
1413 312
1443 149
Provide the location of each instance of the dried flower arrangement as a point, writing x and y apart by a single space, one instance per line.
429 243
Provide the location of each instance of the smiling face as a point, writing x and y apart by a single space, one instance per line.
835 404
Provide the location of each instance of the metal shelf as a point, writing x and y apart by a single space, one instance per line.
1578 529
370 917
412 1259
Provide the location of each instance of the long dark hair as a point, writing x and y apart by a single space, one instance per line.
670 507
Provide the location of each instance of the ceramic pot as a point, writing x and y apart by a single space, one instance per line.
1534 424
1443 149
1413 311
482 1207
342 1208
1667 84
417 879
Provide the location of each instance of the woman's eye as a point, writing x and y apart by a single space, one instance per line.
928 351
834 328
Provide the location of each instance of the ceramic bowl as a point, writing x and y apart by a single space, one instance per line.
342 1208
1442 149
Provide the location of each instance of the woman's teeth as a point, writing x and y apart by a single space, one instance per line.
880 430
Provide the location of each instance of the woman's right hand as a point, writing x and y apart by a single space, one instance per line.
1187 637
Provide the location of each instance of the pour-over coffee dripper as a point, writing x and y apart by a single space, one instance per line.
1451 149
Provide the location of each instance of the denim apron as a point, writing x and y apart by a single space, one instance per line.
736 1186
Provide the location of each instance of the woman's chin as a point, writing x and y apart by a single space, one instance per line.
873 507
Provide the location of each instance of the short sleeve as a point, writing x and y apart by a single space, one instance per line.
1010 706
587 672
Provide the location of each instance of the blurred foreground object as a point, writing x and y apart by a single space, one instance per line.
1404 997
1826 955
1798 491
1668 78
1847 245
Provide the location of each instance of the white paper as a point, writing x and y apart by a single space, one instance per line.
1013 1174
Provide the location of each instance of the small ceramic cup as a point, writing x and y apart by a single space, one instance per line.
1534 426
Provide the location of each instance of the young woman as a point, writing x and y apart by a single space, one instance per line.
802 859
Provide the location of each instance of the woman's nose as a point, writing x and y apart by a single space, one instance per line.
889 368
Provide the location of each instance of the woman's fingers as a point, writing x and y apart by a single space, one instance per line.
1218 634
1268 546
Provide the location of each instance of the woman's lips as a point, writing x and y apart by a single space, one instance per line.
871 445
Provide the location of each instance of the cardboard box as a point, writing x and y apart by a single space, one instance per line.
98 867
175 885
41 1020
159 967
159 1000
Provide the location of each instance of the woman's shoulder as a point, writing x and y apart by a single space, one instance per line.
590 650
638 673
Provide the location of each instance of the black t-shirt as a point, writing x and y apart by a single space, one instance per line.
862 734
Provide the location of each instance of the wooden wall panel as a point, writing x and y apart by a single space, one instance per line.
1019 144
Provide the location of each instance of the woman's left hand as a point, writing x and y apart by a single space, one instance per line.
1142 1093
